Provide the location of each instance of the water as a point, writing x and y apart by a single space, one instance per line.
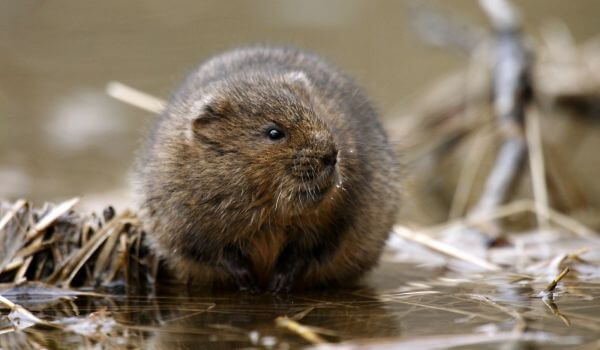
417 307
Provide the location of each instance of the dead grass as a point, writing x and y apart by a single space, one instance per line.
61 247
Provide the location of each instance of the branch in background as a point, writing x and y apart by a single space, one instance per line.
502 177
502 14
512 90
436 133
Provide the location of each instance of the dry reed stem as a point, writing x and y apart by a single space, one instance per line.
9 329
560 179
513 208
20 276
444 248
11 212
106 251
521 325
506 210
394 296
482 139
537 168
36 246
449 309
570 224
121 261
49 218
301 330
468 340
576 255
9 304
135 97
93 244
550 287
585 321
300 315
554 309
69 267
18 313
479 143
14 264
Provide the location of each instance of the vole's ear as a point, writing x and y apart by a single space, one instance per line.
298 79
204 112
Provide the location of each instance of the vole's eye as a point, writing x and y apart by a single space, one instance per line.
275 133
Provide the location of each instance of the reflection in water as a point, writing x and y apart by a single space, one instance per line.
432 311
234 322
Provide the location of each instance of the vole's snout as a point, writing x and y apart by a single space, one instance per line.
329 160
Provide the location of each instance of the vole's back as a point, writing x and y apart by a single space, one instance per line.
332 84
313 207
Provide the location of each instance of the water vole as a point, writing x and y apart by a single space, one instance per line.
268 169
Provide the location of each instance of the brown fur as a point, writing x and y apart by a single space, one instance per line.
225 204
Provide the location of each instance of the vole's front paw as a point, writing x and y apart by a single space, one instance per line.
280 283
245 280
237 264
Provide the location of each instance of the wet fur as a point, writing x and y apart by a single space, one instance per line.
224 205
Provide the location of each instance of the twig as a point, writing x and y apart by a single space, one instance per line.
550 287
135 97
444 248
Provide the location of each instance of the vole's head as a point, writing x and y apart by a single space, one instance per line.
267 142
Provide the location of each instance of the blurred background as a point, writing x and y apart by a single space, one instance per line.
62 136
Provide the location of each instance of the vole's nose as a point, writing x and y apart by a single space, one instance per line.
330 159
